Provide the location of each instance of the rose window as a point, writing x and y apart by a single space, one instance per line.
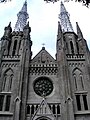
43 86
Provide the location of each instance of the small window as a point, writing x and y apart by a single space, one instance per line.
19 46
85 102
32 109
72 48
1 102
58 109
77 47
14 47
75 81
36 107
10 82
4 82
81 78
7 103
9 45
28 109
78 102
54 112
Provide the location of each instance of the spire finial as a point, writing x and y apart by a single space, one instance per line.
43 46
8 30
64 19
22 17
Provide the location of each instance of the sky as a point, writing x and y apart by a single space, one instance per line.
43 20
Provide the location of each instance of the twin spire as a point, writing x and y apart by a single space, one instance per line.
66 25
22 17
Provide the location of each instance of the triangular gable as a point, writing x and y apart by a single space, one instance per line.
43 111
43 57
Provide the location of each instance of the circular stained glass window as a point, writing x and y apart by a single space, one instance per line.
43 86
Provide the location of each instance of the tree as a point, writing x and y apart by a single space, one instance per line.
85 2
1 1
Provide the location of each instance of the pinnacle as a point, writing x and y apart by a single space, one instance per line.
79 33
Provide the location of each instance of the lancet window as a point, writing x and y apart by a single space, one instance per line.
72 48
14 47
5 94
77 47
9 45
78 79
7 81
19 46
4 82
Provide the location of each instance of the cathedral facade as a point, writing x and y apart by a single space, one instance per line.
44 88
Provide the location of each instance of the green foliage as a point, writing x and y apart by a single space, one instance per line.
1 1
85 2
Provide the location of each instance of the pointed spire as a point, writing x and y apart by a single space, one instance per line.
79 33
8 27
22 17
24 8
64 19
8 30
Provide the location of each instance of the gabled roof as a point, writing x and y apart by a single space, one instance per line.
43 111
43 57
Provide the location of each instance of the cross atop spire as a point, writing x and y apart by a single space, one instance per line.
22 17
64 19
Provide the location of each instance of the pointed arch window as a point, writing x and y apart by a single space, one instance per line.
75 81
5 97
19 46
77 47
7 80
9 45
72 48
4 82
14 47
10 82
78 79
81 79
